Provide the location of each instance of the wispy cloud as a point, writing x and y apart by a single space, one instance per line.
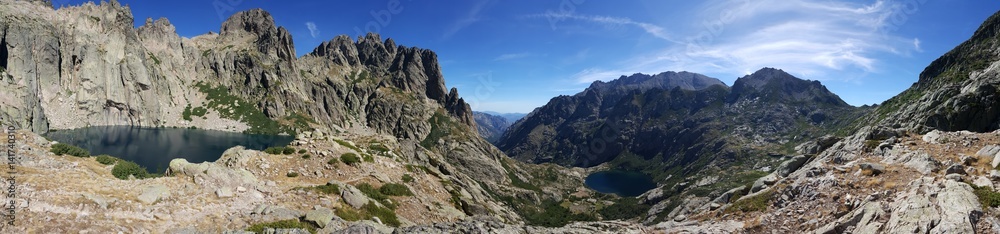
649 28
820 39
503 57
470 18
313 30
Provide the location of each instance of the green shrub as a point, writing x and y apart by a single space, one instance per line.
386 215
332 161
125 168
393 189
274 150
378 147
407 178
306 156
106 159
350 158
987 197
757 202
186 114
282 224
292 174
302 151
376 194
368 158
288 150
62 148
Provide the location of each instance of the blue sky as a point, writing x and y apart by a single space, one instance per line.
513 56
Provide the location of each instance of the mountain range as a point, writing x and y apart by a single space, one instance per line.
382 146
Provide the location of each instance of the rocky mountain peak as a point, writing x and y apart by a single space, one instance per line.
664 80
777 85
254 21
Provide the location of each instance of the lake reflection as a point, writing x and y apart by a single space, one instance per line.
153 148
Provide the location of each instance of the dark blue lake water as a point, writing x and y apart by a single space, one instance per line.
627 184
153 148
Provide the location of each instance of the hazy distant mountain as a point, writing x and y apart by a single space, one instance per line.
490 126
511 117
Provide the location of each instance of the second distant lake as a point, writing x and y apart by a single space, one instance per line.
627 184
153 148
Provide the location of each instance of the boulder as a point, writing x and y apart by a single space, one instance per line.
960 208
321 216
874 168
224 192
956 169
153 193
352 196
982 181
789 166
933 137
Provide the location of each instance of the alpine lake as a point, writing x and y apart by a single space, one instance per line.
153 148
623 183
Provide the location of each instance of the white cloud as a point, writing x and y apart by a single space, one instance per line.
513 56
470 18
916 45
819 39
313 31
649 28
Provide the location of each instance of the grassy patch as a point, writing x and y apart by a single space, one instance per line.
407 178
288 150
367 212
441 125
757 202
282 224
393 189
377 195
350 158
624 208
63 148
302 151
516 181
552 214
327 188
332 161
300 121
232 107
292 174
348 145
306 156
368 158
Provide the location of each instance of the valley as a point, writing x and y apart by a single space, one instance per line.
118 127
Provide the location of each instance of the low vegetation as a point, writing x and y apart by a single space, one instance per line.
106 159
332 161
393 189
758 202
987 196
292 174
124 168
624 208
552 214
407 178
282 224
327 188
350 158
63 149
197 111
367 212
232 107
280 150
